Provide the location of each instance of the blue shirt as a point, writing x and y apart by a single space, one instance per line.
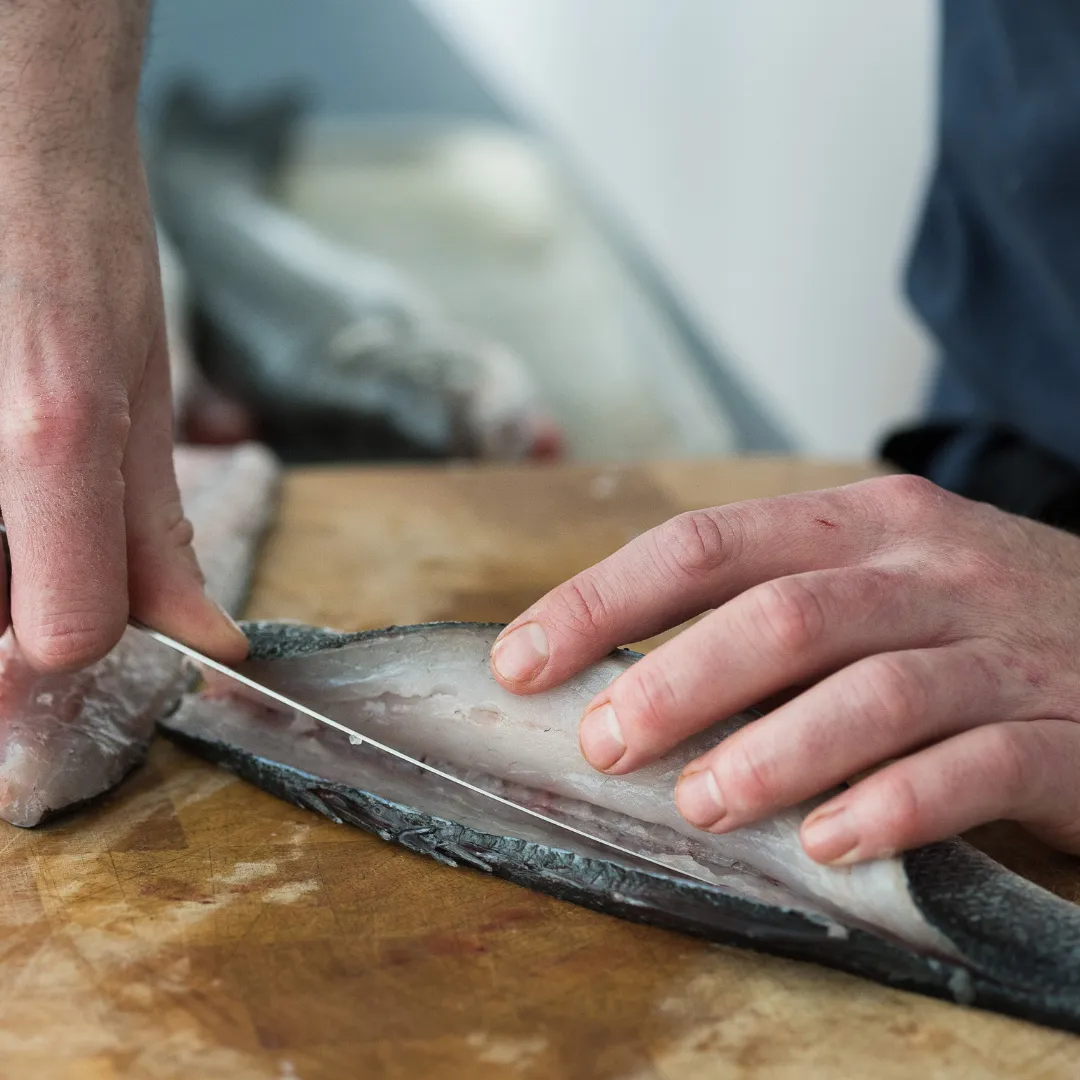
994 271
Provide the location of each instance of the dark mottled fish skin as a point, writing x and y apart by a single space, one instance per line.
640 896
1021 945
1000 921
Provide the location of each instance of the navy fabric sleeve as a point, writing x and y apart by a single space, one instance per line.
995 268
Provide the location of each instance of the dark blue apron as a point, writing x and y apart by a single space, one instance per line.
995 269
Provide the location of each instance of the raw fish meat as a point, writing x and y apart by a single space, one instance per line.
67 738
944 919
230 497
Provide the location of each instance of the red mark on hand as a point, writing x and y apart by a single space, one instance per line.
827 524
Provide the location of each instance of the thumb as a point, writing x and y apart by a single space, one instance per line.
166 585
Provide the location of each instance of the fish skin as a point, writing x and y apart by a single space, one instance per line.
337 354
67 738
1015 947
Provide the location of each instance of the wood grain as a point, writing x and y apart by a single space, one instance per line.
191 926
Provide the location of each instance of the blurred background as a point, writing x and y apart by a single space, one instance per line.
602 230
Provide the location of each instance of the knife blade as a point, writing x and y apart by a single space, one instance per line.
359 739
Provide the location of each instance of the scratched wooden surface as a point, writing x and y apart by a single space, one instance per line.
191 926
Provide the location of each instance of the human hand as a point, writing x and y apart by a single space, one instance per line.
87 490
932 636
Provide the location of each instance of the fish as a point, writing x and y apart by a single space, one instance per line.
336 352
68 738
943 920
230 497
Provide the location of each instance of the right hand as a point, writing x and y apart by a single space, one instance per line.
87 488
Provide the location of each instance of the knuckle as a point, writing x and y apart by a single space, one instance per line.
583 607
181 533
982 672
697 542
908 498
971 574
746 777
791 612
646 694
869 587
890 691
65 644
1048 804
1006 759
164 524
904 808
42 431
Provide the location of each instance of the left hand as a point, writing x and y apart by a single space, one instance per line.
921 630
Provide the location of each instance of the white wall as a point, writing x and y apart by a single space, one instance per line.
770 155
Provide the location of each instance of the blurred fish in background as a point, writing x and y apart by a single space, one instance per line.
280 333
202 414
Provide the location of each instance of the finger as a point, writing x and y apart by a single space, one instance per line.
691 563
1018 771
878 708
167 587
770 637
62 493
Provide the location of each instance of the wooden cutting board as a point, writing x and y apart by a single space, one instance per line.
191 926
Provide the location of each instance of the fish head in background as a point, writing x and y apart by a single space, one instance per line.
335 353
480 393
202 414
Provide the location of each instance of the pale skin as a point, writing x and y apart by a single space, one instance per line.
932 640
87 488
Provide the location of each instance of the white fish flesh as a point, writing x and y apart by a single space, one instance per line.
945 919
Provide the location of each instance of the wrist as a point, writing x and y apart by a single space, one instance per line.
69 79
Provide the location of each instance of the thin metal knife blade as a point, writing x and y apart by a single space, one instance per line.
359 739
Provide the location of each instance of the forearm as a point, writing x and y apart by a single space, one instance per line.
69 78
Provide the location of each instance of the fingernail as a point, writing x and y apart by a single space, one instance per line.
520 655
697 795
601 738
829 836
